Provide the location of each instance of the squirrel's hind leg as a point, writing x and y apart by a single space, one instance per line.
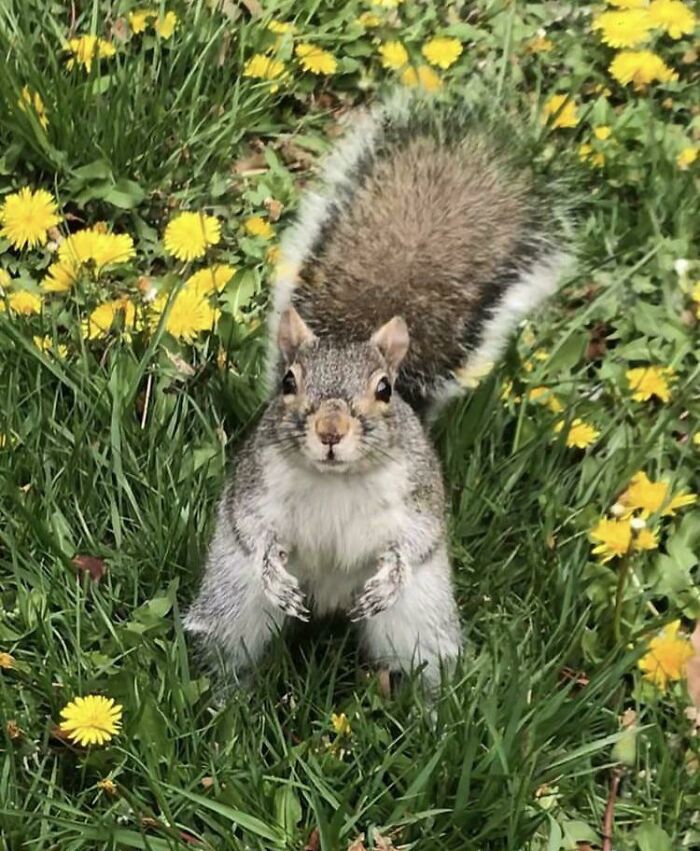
421 627
232 619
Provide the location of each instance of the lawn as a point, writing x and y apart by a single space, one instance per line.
125 388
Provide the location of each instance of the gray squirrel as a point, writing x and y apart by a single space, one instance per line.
408 267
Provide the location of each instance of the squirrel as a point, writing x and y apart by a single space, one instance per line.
409 265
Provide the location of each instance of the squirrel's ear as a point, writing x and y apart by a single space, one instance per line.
392 341
292 333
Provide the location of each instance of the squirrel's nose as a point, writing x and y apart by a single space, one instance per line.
331 429
329 438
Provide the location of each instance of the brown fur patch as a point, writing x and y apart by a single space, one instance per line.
424 235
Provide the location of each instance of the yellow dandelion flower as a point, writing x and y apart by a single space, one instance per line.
648 381
629 4
340 724
100 321
422 76
695 292
32 100
672 16
562 110
86 48
588 154
602 132
108 786
539 44
696 438
90 245
646 539
26 217
7 661
315 59
386 4
257 226
190 313
211 280
91 720
264 68
613 538
46 344
686 158
280 27
393 54
5 279
623 29
78 248
165 26
111 248
369 20
442 52
188 235
640 67
23 302
139 19
649 497
580 434
544 396
667 657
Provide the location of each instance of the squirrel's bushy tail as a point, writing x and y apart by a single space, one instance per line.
430 213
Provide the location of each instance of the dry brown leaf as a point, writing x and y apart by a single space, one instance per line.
95 567
274 208
228 9
597 342
14 731
358 844
184 369
382 843
120 30
56 733
253 163
254 7
314 841
207 782
295 157
222 55
693 668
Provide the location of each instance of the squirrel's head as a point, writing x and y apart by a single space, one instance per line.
334 402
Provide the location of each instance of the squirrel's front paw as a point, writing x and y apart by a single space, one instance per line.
281 588
380 592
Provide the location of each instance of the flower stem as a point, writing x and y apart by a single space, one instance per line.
619 596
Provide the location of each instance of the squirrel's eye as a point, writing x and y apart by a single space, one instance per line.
383 391
289 383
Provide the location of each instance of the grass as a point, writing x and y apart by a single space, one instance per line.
117 451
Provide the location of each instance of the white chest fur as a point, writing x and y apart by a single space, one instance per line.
335 526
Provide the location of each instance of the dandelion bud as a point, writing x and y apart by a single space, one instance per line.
681 267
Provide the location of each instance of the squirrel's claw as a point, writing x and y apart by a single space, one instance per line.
281 588
380 592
